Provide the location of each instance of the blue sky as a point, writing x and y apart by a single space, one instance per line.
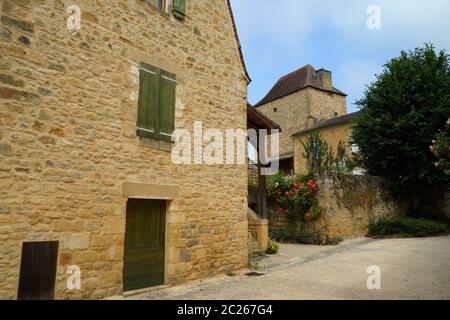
279 36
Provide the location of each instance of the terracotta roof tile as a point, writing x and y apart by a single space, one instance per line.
330 122
293 82
256 118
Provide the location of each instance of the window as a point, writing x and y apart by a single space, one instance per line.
179 9
156 110
177 6
160 4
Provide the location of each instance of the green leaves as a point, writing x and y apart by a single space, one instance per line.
320 157
402 111
441 149
405 227
294 197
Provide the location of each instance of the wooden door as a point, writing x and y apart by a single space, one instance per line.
144 244
38 270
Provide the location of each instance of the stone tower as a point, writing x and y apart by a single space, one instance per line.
298 101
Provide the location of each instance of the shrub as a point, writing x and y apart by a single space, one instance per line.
405 227
306 236
294 205
282 234
294 198
312 236
320 156
441 149
272 247
334 241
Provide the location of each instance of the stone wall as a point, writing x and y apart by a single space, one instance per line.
68 138
253 175
352 201
326 105
291 112
258 233
332 134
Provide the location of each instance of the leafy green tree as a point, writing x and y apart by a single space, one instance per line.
441 149
401 112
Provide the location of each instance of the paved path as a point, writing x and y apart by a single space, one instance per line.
410 269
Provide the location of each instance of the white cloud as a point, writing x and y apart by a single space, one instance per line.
279 36
292 23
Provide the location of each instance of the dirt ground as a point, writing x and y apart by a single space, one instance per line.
410 269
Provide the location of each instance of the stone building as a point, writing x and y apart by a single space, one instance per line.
87 183
333 131
298 101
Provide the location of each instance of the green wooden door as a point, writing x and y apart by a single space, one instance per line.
144 244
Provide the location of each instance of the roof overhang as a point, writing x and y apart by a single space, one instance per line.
257 120
329 123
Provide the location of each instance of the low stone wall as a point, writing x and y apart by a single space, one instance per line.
352 202
258 233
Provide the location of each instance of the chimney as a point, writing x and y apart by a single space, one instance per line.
324 79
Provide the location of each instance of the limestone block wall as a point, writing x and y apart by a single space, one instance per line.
258 233
332 134
352 202
291 112
68 109
326 105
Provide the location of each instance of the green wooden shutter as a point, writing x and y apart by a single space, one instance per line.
147 110
179 9
166 110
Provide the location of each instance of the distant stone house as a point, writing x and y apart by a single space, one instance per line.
298 101
332 131
91 204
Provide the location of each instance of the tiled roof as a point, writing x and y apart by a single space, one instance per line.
295 81
330 122
256 118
